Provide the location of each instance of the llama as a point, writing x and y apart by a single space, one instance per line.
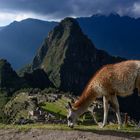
112 80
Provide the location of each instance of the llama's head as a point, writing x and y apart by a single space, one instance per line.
72 115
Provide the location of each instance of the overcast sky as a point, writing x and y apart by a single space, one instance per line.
11 10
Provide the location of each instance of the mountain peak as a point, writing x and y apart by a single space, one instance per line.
8 77
68 57
4 64
3 61
67 27
71 25
69 22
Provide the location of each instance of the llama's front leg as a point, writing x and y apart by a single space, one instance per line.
106 108
115 104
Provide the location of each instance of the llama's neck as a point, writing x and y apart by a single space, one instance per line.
84 101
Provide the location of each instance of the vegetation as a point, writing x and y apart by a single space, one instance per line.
8 77
57 107
51 90
27 68
130 130
18 107
3 100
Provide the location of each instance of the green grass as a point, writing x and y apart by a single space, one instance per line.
57 107
3 100
111 129
114 127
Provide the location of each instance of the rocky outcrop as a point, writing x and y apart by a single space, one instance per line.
41 53
9 80
37 79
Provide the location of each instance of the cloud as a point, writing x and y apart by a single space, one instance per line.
58 9
136 9
8 17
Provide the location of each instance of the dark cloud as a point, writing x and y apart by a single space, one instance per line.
61 8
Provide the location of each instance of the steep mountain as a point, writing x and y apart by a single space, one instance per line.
117 35
37 79
69 57
10 81
8 77
19 40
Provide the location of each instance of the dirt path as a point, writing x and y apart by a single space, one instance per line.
45 134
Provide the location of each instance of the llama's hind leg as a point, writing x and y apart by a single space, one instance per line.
115 105
139 91
138 83
106 108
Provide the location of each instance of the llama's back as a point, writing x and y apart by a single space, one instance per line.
119 78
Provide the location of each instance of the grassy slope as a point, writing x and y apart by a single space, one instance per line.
3 100
15 108
57 107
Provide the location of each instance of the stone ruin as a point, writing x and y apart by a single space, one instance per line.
96 109
39 115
